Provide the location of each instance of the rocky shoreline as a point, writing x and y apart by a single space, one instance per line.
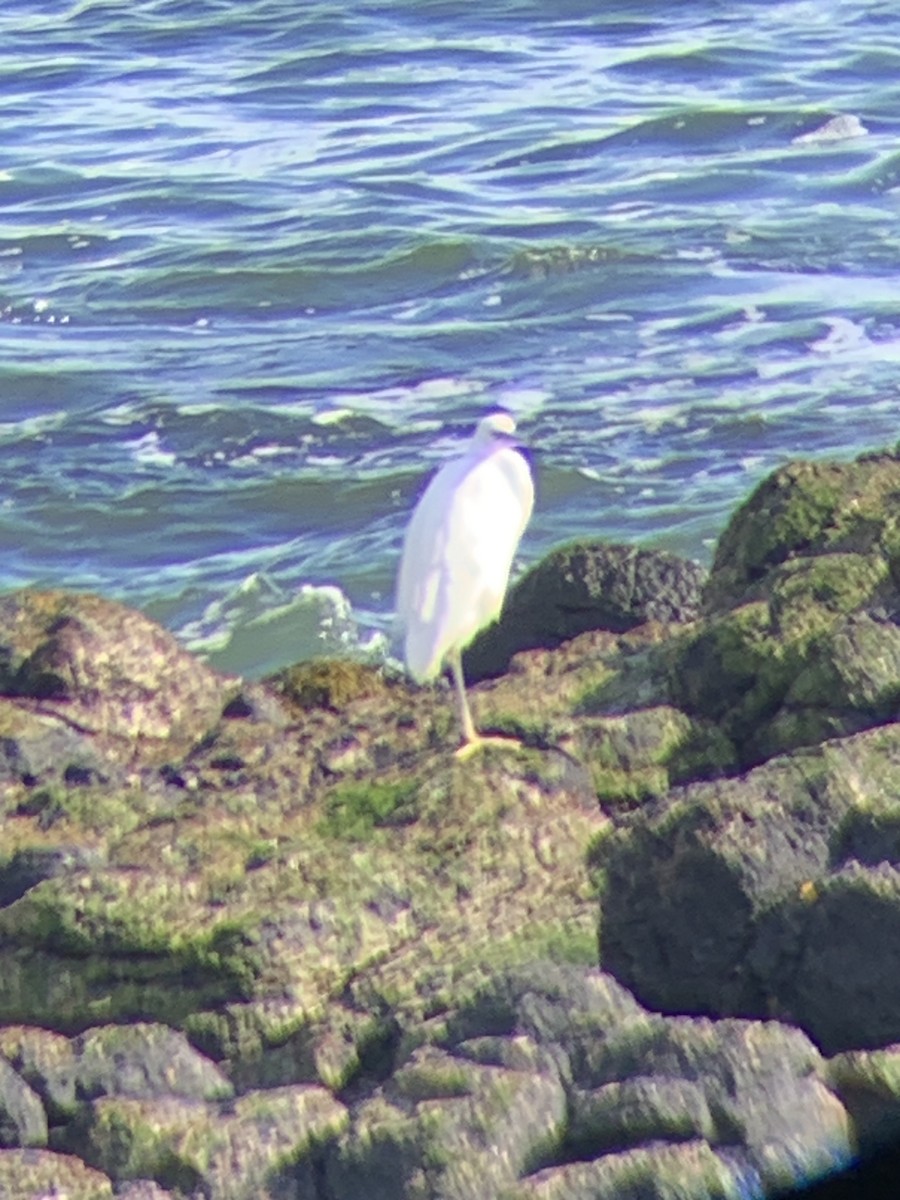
273 940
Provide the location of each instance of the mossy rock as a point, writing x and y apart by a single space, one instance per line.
38 1173
855 665
868 1084
106 669
110 812
802 662
791 728
637 755
353 810
328 683
447 1126
803 510
664 1172
238 1152
115 945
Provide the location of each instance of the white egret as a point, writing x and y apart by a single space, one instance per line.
457 555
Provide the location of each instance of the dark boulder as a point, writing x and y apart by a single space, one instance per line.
745 896
587 585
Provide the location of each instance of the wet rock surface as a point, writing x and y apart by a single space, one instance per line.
276 940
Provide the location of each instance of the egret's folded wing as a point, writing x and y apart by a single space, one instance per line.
422 580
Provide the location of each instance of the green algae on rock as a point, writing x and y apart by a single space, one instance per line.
327 683
45 1173
236 1153
292 890
804 510
800 643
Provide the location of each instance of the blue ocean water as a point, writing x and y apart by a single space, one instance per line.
263 265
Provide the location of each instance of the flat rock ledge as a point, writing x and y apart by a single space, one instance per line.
274 940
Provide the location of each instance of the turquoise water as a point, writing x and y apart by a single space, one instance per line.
261 269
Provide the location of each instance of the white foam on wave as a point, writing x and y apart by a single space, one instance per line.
844 344
837 129
331 416
126 413
147 450
199 409
258 454
259 627
32 426
842 335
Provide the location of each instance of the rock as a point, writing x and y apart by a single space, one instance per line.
757 1093
801 640
144 1061
327 683
247 1151
744 895
143 1189
33 1174
30 866
687 882
258 703
588 585
658 1172
550 1003
868 1085
293 891
749 1088
446 1127
806 510
107 671
753 1092
831 956
606 1118
119 940
636 755
46 1061
233 895
23 1121
35 746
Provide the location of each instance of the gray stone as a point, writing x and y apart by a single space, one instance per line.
36 1174
23 1121
445 1127
144 1060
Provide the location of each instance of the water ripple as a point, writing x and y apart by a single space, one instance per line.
262 266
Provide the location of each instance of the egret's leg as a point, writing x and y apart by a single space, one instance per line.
465 716
471 738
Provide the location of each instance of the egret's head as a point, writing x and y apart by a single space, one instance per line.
496 429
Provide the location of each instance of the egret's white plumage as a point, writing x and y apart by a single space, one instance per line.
458 551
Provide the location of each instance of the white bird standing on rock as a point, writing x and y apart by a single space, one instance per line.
457 555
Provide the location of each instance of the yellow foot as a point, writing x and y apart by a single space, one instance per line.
468 748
